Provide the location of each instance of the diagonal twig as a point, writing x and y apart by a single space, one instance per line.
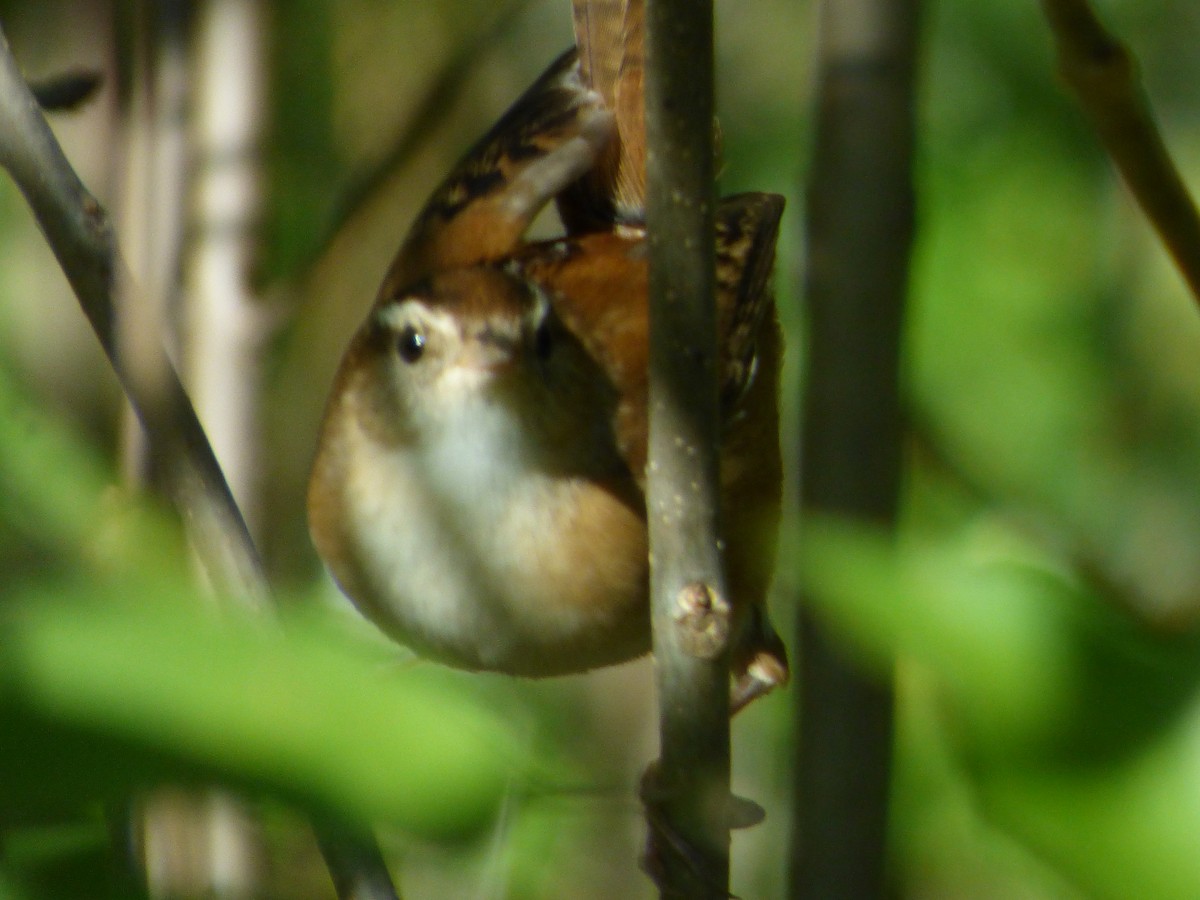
81 235
1103 75
355 863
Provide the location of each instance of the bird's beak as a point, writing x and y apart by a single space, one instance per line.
494 354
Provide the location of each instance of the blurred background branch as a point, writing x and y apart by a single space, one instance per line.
1104 76
180 842
81 235
860 233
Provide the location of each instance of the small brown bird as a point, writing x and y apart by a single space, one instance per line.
478 484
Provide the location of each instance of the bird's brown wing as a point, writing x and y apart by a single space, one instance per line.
549 137
747 227
597 284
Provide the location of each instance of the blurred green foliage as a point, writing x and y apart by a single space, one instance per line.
1041 602
1039 606
117 674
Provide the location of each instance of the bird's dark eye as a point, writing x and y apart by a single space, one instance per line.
543 341
410 344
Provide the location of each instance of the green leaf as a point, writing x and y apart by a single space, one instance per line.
1081 727
96 699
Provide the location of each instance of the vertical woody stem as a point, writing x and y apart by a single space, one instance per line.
687 583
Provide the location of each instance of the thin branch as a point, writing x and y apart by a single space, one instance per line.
1103 74
687 583
80 233
355 864
860 229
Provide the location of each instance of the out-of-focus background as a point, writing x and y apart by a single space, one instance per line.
262 162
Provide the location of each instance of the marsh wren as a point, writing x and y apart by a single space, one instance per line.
478 484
